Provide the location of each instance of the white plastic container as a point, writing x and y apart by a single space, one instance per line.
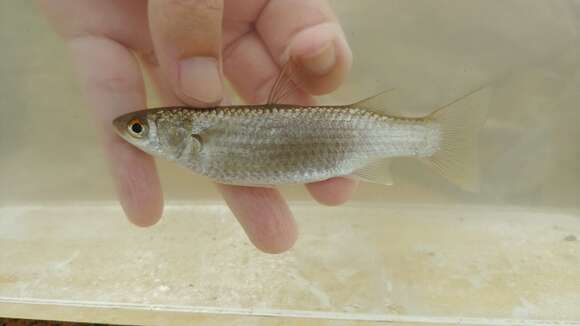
420 251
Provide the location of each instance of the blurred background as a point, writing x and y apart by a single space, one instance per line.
431 52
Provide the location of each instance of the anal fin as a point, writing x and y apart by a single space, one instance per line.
377 171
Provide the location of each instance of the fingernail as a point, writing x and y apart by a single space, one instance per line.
199 79
322 61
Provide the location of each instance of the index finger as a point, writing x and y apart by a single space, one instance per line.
313 36
100 34
112 81
187 37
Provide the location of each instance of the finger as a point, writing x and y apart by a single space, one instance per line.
112 82
264 215
252 71
261 212
254 83
312 37
187 40
111 78
314 40
334 191
111 19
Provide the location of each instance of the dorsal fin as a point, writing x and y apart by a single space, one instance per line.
284 85
378 103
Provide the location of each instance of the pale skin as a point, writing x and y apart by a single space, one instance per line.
189 47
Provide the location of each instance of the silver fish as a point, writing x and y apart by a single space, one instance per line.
272 144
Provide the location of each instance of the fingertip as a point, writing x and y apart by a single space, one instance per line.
142 219
143 215
281 245
334 191
264 216
322 57
138 188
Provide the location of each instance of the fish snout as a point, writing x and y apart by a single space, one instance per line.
120 124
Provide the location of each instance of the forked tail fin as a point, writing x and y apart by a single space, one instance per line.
460 123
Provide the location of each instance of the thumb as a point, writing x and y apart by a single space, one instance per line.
187 39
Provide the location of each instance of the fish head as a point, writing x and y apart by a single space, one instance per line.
136 129
164 133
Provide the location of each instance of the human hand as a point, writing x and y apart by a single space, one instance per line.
187 47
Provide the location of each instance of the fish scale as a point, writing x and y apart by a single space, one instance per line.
292 145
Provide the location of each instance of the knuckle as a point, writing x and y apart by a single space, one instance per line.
184 20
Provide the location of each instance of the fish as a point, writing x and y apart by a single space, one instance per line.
274 144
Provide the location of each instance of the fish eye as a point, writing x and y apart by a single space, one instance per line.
137 128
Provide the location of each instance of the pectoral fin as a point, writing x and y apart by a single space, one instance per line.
377 171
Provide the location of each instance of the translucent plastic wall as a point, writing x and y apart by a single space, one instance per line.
420 251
